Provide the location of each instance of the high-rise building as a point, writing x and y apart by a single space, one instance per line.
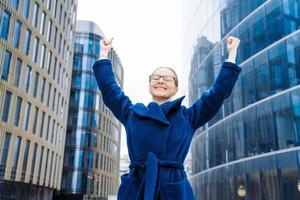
251 148
36 51
92 148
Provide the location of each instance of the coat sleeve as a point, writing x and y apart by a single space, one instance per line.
211 101
113 96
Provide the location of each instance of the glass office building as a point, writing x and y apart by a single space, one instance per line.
251 148
36 51
92 148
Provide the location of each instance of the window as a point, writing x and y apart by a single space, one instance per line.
35 14
6 106
26 116
55 36
51 164
43 21
15 4
36 82
43 54
36 113
49 92
17 33
26 6
42 124
33 162
64 24
49 2
54 98
17 111
54 68
6 65
43 90
35 49
46 165
5 25
24 166
49 30
48 127
15 157
60 13
49 61
4 154
27 79
54 7
59 44
18 72
41 162
26 46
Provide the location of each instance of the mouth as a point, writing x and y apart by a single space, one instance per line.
160 88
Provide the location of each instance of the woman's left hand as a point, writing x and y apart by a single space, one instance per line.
232 43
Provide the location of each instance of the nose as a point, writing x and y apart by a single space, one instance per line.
161 80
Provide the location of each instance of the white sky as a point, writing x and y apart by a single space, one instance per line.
147 34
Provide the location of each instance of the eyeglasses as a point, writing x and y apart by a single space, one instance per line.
166 78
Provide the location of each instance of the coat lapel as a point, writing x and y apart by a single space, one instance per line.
157 112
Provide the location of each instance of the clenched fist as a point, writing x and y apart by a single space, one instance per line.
106 45
232 46
232 43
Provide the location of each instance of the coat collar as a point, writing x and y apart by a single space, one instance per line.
157 112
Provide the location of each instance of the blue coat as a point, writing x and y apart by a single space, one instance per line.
159 136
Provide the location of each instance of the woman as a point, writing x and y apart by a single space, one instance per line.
159 135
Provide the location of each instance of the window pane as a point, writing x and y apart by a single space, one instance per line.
43 21
17 111
15 4
49 31
6 65
26 6
5 25
36 113
26 46
26 116
6 106
42 124
35 14
4 153
35 86
24 166
43 90
18 72
35 49
43 54
33 162
27 79
17 33
16 157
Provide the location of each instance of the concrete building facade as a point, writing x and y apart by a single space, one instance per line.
36 51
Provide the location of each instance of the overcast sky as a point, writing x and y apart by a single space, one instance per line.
147 34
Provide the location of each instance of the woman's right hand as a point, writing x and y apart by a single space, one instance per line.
106 44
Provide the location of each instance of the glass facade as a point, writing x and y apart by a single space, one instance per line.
26 70
250 149
86 140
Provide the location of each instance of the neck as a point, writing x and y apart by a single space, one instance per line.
160 100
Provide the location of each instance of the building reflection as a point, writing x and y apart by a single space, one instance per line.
250 149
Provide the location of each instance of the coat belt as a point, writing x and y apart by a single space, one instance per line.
152 180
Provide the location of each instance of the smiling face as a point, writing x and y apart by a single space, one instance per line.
162 84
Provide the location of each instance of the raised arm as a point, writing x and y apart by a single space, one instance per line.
113 96
211 101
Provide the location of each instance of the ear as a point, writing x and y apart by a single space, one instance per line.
175 91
